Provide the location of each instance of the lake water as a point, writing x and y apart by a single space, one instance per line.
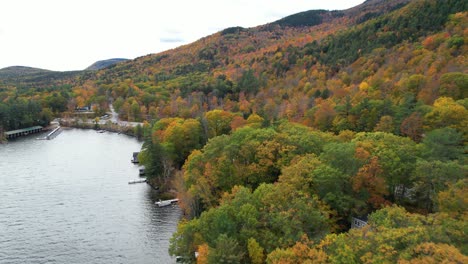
68 200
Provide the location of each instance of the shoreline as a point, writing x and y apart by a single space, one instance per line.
114 128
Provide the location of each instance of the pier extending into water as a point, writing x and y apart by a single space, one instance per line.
23 132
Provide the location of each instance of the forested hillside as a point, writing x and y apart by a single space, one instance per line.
275 137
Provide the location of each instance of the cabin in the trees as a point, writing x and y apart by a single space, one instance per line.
83 109
358 222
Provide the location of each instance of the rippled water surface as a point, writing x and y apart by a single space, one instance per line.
68 200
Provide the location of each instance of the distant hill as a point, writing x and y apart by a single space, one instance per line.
22 76
104 64
19 71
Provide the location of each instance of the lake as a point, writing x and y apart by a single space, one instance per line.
68 200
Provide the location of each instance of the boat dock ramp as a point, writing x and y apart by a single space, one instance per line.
53 133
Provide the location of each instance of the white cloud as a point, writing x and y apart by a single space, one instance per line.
72 34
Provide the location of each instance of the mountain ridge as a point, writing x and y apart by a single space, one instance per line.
260 39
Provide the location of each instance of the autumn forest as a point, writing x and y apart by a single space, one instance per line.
275 138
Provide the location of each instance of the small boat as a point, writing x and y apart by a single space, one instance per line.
166 202
101 131
163 203
135 157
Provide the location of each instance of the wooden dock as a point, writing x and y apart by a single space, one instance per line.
137 181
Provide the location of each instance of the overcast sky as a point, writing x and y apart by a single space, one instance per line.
72 34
